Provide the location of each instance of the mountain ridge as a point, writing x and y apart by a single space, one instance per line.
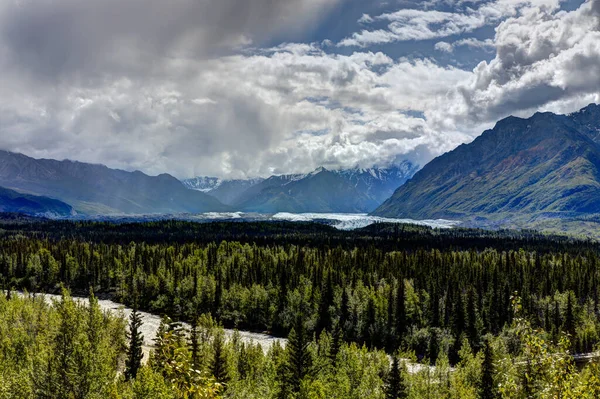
356 190
97 189
545 163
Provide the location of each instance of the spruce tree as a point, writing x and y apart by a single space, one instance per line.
488 389
134 350
400 313
395 387
336 343
218 367
216 307
195 344
243 363
472 330
557 321
299 361
570 317
325 318
370 324
434 348
344 321
390 337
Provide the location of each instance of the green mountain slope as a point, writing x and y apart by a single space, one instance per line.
15 202
547 164
96 189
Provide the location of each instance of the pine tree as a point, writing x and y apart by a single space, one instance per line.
400 313
488 389
218 367
195 344
370 324
434 348
390 338
570 318
395 388
472 331
336 344
299 361
344 321
136 340
557 321
325 318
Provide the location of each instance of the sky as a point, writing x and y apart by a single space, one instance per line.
246 88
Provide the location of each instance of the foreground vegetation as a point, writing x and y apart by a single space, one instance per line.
360 309
68 350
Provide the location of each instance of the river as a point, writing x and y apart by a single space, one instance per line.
151 323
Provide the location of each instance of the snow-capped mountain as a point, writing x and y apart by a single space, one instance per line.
380 183
225 190
322 190
202 183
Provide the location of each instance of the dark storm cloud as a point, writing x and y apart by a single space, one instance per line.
58 39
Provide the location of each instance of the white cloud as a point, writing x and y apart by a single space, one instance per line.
413 24
284 109
543 59
487 44
444 46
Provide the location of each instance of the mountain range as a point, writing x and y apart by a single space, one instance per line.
546 166
96 189
349 191
524 172
47 186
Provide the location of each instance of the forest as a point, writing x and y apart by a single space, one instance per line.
388 311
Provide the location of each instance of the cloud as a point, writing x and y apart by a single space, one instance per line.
161 94
444 46
68 39
487 44
414 24
544 60
237 115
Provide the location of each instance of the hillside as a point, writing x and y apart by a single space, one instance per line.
96 189
15 202
544 166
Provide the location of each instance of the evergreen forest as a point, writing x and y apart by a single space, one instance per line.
387 311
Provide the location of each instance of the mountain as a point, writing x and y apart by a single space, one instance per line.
380 183
202 183
226 191
15 202
96 189
352 191
547 166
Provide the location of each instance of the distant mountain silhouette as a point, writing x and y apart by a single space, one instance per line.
13 201
96 189
353 190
